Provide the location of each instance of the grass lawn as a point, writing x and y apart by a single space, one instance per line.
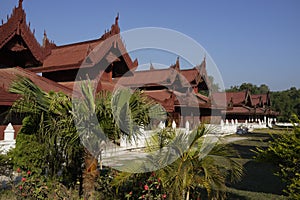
259 181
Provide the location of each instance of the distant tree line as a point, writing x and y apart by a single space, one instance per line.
254 89
286 102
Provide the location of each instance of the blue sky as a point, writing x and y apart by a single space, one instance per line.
255 41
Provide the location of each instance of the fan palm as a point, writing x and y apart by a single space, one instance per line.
70 130
49 123
104 117
194 169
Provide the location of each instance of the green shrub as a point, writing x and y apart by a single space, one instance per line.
284 151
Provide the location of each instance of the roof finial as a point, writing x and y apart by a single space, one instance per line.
20 3
117 19
45 34
177 63
45 39
151 66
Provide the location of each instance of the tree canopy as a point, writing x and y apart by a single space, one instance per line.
254 89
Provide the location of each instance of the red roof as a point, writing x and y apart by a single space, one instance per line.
190 74
163 97
236 97
219 99
101 85
159 95
240 110
164 77
259 98
197 75
16 25
68 56
63 57
72 56
8 75
6 98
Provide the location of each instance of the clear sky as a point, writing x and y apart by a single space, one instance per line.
256 41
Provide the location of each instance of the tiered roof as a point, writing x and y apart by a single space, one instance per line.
167 77
72 56
50 57
181 85
245 103
15 26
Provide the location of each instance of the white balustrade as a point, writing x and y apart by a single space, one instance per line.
9 141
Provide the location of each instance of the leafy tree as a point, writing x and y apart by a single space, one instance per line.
284 151
286 102
263 89
254 89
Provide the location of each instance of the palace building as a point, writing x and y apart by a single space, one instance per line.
244 106
55 68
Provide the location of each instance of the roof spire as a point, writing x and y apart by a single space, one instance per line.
20 3
177 66
45 39
117 19
151 66
115 29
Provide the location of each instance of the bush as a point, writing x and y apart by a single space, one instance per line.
34 186
284 151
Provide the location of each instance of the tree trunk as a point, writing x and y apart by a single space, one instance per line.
89 175
188 195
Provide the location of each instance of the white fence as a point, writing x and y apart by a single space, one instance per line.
224 128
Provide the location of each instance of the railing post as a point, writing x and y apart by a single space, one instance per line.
173 125
187 125
9 133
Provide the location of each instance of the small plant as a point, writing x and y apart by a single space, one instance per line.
152 188
33 186
30 186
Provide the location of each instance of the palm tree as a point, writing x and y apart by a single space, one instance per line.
69 132
48 130
105 117
194 169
